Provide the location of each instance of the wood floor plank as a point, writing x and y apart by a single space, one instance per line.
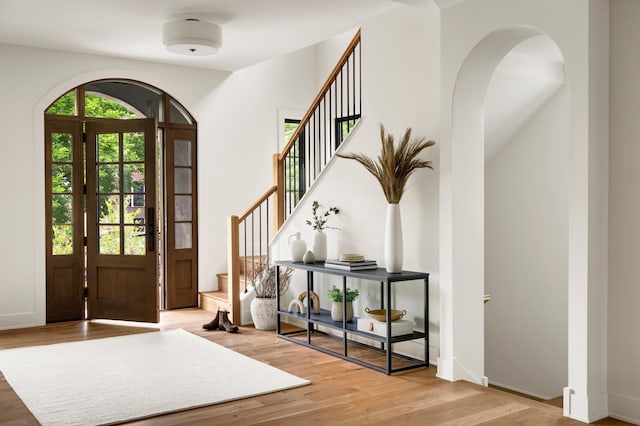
341 393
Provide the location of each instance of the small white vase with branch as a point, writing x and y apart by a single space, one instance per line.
392 169
319 223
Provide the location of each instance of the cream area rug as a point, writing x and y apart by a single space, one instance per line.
131 377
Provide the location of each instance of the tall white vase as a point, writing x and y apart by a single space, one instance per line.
319 247
393 239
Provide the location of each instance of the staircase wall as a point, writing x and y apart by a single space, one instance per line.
400 74
233 149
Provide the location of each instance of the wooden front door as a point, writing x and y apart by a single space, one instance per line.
122 261
182 218
64 177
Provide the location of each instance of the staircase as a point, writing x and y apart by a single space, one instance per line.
212 301
334 112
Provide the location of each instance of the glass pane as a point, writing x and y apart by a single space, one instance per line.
109 239
127 99
134 240
178 115
61 147
109 209
183 235
134 209
108 148
108 178
64 105
182 153
62 239
183 207
182 178
134 178
61 178
133 146
100 106
61 209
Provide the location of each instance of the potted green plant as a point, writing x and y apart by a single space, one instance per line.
335 294
318 222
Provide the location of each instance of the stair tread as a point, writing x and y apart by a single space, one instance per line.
223 295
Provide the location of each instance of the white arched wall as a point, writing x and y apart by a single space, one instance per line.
468 61
39 263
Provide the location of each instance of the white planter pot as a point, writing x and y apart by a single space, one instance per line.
336 311
393 239
263 313
320 246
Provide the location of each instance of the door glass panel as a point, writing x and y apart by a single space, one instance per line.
61 147
108 148
183 207
61 178
109 239
182 153
177 114
134 177
134 240
108 178
134 209
62 239
183 235
182 180
61 209
133 148
64 105
109 209
134 100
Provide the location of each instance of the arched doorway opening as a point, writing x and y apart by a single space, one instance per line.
526 138
121 203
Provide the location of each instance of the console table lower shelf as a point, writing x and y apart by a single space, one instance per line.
345 341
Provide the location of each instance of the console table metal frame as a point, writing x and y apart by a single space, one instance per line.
324 318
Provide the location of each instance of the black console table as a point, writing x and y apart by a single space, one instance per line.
347 329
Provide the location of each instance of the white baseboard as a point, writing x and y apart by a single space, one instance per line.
624 408
20 320
588 408
522 391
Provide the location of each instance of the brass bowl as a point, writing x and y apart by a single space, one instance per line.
381 314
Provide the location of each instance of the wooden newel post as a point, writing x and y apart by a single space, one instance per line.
233 267
278 180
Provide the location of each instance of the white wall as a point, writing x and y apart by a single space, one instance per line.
491 28
237 120
624 212
400 89
526 235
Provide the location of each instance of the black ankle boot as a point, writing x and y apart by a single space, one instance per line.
225 324
213 324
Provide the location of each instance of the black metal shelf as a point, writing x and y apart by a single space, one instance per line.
324 318
347 329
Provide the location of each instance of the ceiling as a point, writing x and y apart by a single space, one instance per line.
253 30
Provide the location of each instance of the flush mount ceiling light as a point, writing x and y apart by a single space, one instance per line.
192 37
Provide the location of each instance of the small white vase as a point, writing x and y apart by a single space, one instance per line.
393 239
320 246
263 313
297 247
337 313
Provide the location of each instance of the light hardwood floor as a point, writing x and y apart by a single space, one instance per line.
341 393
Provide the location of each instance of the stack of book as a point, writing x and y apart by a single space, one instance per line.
359 265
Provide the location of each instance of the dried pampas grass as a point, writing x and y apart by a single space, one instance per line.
393 167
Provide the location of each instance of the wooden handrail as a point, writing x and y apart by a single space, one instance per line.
277 192
255 205
325 88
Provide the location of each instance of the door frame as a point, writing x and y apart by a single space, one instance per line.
169 106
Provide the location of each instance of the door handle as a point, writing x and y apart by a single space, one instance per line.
151 237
